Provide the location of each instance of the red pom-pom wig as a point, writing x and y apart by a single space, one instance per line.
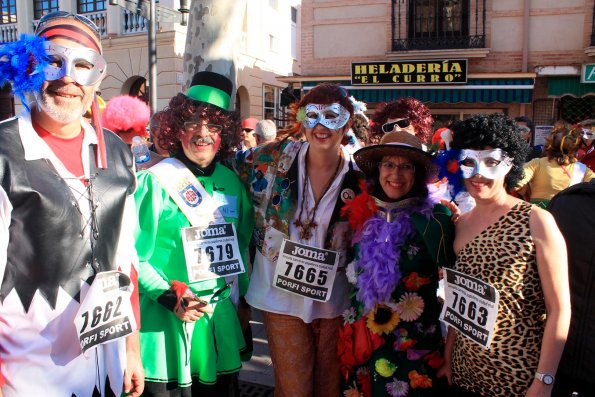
127 116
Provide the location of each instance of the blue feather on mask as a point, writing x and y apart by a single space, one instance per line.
21 64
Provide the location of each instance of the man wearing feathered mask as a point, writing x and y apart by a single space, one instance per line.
67 260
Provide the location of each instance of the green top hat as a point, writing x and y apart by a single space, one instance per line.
212 88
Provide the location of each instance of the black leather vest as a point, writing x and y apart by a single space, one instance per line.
47 248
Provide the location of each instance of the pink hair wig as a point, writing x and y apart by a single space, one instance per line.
124 113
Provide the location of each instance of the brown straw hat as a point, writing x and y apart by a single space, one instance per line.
397 143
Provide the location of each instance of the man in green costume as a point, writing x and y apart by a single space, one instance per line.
195 223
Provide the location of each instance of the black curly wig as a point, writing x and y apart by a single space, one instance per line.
182 108
496 131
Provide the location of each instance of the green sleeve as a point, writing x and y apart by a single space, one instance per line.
149 197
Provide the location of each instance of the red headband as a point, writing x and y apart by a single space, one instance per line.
72 33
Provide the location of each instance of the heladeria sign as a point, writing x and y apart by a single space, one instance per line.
448 71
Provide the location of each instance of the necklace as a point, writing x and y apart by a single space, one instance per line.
309 224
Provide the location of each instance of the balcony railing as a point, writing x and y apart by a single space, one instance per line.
438 24
133 23
100 19
8 33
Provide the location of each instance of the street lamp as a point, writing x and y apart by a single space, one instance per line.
184 11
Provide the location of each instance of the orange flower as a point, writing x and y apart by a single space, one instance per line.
452 166
352 392
413 282
419 381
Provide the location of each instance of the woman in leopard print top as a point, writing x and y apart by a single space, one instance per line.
514 249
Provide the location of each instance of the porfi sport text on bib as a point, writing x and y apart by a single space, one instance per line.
211 251
305 270
106 312
470 306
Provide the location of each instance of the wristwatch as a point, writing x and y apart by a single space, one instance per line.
547 379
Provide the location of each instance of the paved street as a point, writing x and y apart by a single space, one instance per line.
256 377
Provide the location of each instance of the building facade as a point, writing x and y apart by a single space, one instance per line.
520 57
269 48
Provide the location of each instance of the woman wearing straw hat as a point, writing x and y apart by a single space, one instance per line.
390 343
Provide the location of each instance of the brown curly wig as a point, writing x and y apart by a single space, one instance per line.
323 93
562 144
410 108
181 109
360 128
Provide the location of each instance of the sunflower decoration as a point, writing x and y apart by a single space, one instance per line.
410 307
382 320
384 367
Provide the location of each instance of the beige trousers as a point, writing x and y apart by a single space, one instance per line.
304 355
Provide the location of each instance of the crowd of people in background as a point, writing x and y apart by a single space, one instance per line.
379 269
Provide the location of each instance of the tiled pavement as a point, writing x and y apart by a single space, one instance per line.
257 377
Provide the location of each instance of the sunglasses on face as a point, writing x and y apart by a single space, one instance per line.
65 14
389 127
247 129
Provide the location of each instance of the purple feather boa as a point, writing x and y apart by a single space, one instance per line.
380 249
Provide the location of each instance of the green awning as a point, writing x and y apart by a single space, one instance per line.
560 86
475 91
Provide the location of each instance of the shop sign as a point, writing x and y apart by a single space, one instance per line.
447 71
588 73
